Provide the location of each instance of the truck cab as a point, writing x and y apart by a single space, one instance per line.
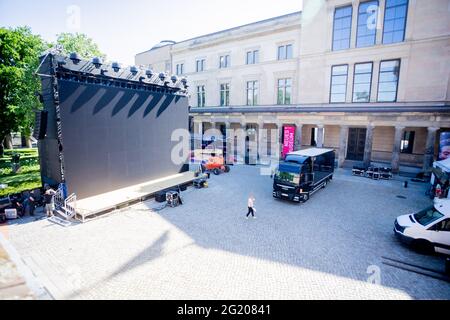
302 173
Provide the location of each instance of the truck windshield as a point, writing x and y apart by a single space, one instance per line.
287 177
428 216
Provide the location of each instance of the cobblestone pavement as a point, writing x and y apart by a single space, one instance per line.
12 284
328 248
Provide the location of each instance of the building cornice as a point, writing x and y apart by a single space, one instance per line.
409 107
278 24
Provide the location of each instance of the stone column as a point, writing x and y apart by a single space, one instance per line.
198 131
396 151
276 141
241 145
298 136
429 149
262 145
368 146
320 136
343 141
229 140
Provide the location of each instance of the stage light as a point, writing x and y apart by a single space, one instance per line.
60 61
75 57
184 82
103 71
174 79
141 79
149 73
134 70
97 62
115 66
162 77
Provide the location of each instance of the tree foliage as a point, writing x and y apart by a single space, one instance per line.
19 58
79 43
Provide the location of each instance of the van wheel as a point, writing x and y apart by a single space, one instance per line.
305 198
423 246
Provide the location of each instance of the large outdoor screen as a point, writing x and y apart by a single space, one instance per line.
115 137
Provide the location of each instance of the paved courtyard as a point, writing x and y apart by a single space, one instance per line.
328 248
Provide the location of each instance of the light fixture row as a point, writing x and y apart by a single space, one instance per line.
97 67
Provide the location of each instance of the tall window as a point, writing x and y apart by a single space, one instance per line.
224 61
168 66
338 89
252 57
224 94
200 65
407 145
342 28
284 91
367 24
180 69
285 52
395 21
388 81
252 93
201 96
362 82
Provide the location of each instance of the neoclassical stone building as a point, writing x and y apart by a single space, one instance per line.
367 78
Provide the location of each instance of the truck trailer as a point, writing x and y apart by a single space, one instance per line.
302 173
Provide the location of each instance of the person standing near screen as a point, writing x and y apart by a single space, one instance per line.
49 200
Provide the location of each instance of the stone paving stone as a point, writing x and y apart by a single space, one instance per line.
206 249
12 285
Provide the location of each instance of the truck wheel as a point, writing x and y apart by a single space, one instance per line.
305 197
216 171
325 184
423 246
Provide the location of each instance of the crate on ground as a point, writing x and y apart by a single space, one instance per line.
11 213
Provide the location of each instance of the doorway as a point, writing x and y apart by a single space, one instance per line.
356 144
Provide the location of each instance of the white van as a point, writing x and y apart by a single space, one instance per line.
427 230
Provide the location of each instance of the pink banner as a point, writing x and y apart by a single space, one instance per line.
289 140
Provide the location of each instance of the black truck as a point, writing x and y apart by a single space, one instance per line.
302 173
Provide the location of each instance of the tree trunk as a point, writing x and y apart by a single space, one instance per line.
28 142
2 149
8 142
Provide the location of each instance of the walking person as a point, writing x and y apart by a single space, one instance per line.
49 200
251 206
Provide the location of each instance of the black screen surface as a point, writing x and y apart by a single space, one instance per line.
116 137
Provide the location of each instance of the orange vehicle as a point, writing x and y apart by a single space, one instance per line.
216 165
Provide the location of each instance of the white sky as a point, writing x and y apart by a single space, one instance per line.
124 28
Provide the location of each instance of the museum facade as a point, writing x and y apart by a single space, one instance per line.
369 79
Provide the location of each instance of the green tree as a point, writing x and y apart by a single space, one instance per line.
79 43
19 58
